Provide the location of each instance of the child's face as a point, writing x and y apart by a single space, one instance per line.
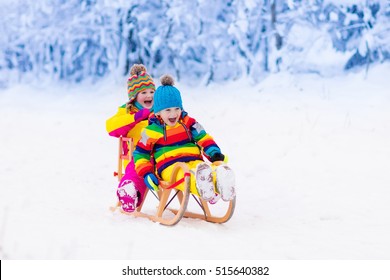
145 98
170 116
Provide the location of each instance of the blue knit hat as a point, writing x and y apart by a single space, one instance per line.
166 95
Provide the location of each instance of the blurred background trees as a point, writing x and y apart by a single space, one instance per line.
197 41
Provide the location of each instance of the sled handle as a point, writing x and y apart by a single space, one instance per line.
122 156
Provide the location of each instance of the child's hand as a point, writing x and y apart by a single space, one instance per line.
151 181
142 114
217 157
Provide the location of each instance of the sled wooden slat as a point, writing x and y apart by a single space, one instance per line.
207 216
122 156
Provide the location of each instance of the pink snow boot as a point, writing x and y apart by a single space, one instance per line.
226 182
127 195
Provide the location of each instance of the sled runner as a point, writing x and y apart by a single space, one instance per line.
173 203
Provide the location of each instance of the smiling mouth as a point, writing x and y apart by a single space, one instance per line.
172 120
148 102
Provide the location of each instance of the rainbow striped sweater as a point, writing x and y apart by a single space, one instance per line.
185 142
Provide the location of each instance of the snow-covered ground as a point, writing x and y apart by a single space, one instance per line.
311 156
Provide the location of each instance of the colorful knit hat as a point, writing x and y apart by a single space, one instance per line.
138 81
166 95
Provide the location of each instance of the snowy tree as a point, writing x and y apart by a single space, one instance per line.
196 41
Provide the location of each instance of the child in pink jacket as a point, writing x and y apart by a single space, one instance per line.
130 119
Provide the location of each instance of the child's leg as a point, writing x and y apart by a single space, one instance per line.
194 167
131 189
166 176
127 195
225 181
204 181
137 180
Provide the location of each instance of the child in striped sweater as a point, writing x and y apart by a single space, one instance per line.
130 119
173 136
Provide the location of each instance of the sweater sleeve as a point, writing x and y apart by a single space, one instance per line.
142 154
121 123
203 139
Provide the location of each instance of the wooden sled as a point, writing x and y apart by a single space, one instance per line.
173 203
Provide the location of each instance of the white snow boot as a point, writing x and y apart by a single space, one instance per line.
226 182
204 181
215 199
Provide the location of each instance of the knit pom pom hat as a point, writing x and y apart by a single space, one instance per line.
138 81
166 95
